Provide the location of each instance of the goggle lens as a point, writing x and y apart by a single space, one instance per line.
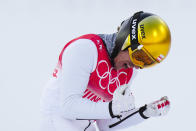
141 58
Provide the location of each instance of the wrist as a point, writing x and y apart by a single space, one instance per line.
111 111
143 113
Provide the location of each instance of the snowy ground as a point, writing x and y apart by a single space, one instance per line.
32 33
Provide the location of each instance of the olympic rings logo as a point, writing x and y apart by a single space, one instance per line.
107 75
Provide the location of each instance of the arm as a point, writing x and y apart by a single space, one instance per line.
136 116
79 60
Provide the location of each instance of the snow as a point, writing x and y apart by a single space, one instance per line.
32 33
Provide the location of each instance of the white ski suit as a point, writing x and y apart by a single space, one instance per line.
68 105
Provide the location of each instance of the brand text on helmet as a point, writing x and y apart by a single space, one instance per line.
134 29
142 31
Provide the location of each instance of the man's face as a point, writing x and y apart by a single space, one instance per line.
122 60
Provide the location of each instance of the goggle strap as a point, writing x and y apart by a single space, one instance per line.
134 30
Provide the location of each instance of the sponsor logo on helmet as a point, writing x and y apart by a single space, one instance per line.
142 31
134 29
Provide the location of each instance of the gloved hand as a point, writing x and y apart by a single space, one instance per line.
157 108
122 101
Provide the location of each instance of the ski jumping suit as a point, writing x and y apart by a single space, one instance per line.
82 85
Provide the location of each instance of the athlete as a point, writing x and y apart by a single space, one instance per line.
90 88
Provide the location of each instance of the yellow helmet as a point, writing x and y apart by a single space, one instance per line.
147 38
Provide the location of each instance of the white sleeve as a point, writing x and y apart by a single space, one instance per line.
79 60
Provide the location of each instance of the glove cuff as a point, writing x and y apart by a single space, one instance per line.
111 112
141 111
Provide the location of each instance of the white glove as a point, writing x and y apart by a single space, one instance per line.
122 101
157 108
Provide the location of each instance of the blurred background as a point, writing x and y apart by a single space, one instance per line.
33 32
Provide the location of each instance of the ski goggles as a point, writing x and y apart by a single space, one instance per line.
139 56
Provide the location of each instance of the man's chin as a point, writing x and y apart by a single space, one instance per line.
118 67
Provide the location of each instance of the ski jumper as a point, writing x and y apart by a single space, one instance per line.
80 89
